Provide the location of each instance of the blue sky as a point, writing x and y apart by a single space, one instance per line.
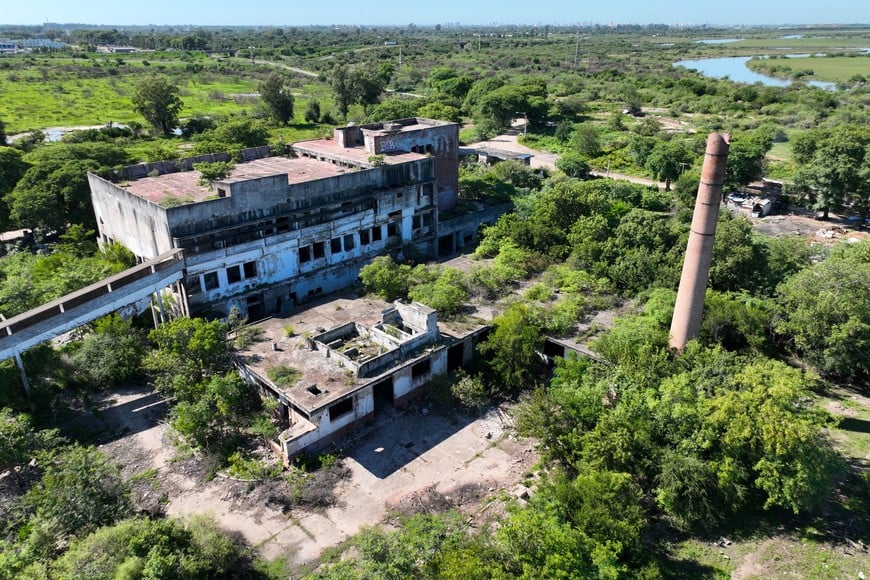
402 12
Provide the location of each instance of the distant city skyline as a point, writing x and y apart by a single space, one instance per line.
402 12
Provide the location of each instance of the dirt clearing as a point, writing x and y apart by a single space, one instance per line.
403 460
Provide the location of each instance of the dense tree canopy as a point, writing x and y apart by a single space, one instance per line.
667 160
143 548
826 310
359 85
54 191
835 169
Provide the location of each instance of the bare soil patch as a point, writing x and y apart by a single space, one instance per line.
805 224
411 460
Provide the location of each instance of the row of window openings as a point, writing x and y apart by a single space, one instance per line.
345 243
283 224
210 281
315 251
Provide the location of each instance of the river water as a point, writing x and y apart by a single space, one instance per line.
734 68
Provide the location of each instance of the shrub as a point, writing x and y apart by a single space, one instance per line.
471 392
284 376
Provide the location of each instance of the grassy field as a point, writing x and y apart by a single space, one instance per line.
832 69
831 40
49 92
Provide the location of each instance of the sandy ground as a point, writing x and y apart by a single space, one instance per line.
394 463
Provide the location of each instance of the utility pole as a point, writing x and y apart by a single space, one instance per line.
526 124
577 48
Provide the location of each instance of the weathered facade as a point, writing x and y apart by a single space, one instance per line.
280 230
354 357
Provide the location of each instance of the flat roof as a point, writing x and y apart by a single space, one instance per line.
417 126
356 154
332 380
184 184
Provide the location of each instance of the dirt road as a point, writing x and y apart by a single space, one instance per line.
508 142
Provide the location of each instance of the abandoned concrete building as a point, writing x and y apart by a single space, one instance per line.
280 230
353 358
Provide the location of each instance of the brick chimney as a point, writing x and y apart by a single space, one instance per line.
686 323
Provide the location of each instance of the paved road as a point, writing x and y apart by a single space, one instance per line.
508 142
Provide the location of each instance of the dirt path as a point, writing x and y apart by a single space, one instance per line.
401 457
303 72
509 142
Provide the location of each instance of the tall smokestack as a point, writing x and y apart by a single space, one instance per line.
686 323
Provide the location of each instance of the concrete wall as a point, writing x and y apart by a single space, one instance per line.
327 430
464 229
318 431
441 140
174 165
421 318
138 224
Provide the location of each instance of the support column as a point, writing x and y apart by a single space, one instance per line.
20 363
686 323
160 305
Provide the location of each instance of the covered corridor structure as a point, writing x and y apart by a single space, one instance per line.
144 281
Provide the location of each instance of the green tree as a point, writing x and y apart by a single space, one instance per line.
586 140
2 133
143 548
231 136
511 350
216 410
190 350
54 191
386 278
51 196
393 108
447 294
764 425
361 84
159 101
825 309
573 165
736 254
836 172
312 111
214 171
440 111
20 441
111 355
277 97
12 168
666 161
80 490
746 159
584 527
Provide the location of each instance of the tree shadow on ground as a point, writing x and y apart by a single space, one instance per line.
854 425
104 421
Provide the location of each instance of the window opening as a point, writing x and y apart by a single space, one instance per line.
234 274
211 281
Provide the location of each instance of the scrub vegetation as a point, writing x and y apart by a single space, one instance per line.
756 433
